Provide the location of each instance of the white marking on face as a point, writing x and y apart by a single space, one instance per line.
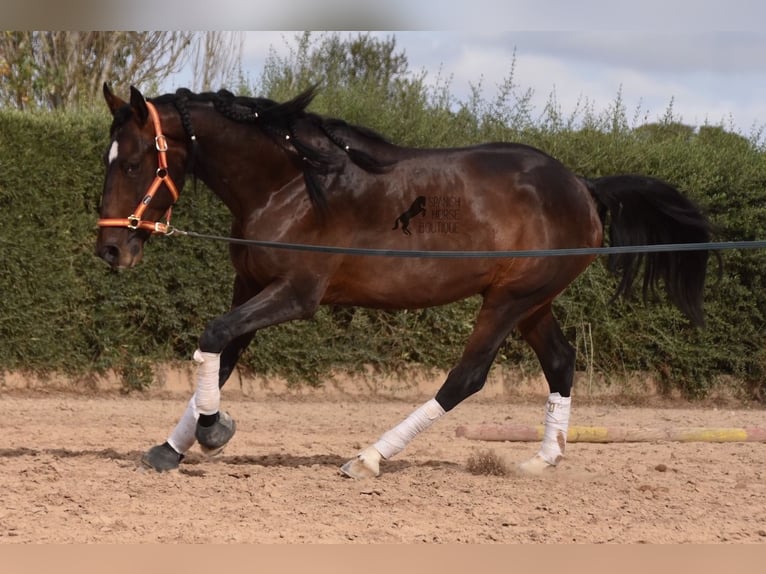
113 151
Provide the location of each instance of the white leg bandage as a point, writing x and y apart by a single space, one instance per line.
557 411
208 394
182 437
394 441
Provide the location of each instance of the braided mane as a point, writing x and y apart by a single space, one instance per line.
280 121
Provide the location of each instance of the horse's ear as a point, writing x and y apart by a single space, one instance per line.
112 101
138 103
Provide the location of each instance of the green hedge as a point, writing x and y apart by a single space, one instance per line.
64 311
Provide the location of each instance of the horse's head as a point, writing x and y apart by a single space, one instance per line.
142 165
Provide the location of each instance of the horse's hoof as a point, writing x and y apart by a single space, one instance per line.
365 465
536 466
162 458
212 439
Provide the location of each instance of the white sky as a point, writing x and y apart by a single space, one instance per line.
714 76
707 56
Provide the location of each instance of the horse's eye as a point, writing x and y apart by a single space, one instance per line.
131 168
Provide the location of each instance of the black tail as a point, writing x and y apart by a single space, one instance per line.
646 211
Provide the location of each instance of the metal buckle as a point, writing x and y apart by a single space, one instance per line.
133 222
161 143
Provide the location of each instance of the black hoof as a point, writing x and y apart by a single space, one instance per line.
212 439
162 458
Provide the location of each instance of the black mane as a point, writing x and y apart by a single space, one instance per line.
281 122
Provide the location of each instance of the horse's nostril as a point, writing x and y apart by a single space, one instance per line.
110 254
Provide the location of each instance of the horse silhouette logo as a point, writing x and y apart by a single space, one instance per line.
418 206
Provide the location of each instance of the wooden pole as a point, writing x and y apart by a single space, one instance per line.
524 433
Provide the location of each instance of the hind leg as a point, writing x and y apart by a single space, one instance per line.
493 325
557 359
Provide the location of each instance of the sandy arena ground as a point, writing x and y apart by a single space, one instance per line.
69 472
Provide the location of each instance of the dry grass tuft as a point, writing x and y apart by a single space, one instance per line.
487 462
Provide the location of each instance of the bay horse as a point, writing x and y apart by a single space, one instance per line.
294 176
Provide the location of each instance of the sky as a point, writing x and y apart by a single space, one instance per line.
706 57
715 77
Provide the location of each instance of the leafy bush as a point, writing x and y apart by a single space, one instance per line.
65 311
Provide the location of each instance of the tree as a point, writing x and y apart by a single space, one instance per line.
337 62
61 70
216 55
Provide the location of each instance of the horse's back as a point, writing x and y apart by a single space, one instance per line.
506 185
492 197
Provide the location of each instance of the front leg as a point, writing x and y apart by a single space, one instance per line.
277 303
214 431
168 455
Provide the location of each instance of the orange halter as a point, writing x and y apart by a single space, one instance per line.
134 220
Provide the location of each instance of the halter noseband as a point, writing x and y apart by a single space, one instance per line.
134 221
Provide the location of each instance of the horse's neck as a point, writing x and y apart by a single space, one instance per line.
378 148
238 162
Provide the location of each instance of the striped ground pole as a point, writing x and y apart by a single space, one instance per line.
525 433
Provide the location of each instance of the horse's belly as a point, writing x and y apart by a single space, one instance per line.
407 284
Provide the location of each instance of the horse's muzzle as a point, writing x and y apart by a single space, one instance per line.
120 257
110 254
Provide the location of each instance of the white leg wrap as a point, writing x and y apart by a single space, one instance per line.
182 437
557 411
208 394
393 442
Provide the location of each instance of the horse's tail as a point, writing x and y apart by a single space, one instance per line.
396 224
646 211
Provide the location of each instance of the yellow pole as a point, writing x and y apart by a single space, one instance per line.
597 434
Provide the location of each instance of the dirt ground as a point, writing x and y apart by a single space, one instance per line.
70 473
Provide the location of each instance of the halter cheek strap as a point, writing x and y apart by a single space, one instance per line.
162 176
